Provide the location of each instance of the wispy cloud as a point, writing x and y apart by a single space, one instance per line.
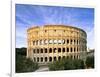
32 15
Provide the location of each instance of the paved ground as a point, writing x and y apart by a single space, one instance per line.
42 68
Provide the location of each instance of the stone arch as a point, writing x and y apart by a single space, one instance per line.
41 50
59 58
55 58
71 49
63 49
46 59
54 50
37 50
37 59
50 50
63 57
41 59
59 50
50 59
67 49
45 50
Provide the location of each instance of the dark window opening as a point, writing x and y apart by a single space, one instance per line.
74 41
63 49
67 41
45 59
41 59
59 50
45 30
45 50
71 49
37 59
33 42
50 50
54 50
41 50
37 50
71 41
54 58
50 59
63 57
59 58
74 49
67 49
77 49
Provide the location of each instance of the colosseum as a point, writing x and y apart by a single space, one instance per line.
50 43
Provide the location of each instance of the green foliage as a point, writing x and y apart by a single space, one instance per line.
58 65
24 64
67 64
90 62
21 51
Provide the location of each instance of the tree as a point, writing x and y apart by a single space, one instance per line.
24 64
90 62
58 65
67 64
21 51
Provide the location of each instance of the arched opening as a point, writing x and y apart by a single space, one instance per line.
55 59
77 49
45 50
71 49
74 49
50 59
45 59
74 41
67 49
50 50
41 59
37 50
37 59
54 50
71 41
77 42
63 57
63 49
67 41
33 42
59 50
41 50
59 58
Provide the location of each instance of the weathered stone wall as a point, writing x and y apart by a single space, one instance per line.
52 42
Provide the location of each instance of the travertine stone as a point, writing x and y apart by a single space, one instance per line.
49 43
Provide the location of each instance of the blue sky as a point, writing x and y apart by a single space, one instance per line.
37 15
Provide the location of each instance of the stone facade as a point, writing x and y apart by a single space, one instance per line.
50 43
